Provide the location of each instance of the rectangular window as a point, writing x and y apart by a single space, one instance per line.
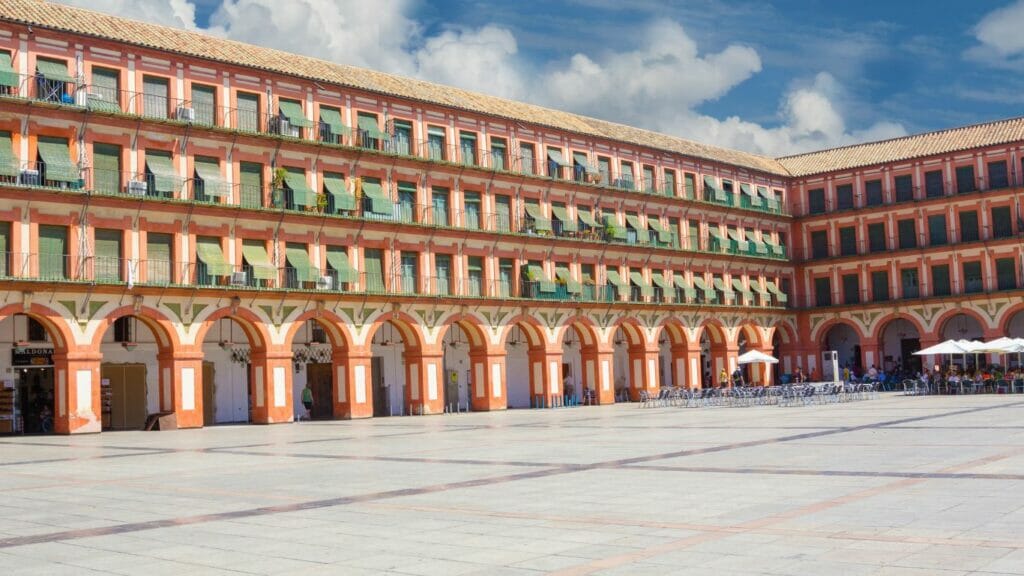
506 268
439 206
693 233
407 202
401 143
933 187
670 183
5 247
467 148
972 277
604 168
332 129
474 276
822 292
848 241
969 226
556 163
499 153
159 255
940 280
1002 227
910 283
373 270
105 91
289 119
965 180
626 179
106 168
907 233
844 196
690 186
880 286
443 274
471 203
370 136
53 252
937 230
873 191
905 187
527 158
502 213
204 104
247 115
107 255
816 201
851 289
435 143
819 244
155 100
409 273
1006 274
998 177
648 172
250 187
52 81
876 237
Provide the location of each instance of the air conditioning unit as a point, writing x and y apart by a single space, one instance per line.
284 127
29 177
325 283
137 188
238 278
185 113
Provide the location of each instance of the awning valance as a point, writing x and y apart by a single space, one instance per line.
380 203
57 161
293 112
335 186
368 124
332 118
54 71
560 212
337 259
637 280
587 218
556 157
298 259
540 222
302 194
258 260
209 253
209 172
571 286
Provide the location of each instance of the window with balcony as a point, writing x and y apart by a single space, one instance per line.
204 105
648 172
296 193
527 158
332 128
604 168
299 269
471 205
207 183
247 113
937 235
562 224
436 143
53 83
409 268
907 234
670 183
54 166
876 237
693 234
879 286
556 163
439 206
502 213
467 148
580 167
370 135
972 277
107 255
159 256
1006 273
910 283
998 177
819 244
259 269
211 265
161 177
401 142
848 241
873 192
904 186
474 276
250 187
689 186
965 181
822 291
155 97
626 180
53 252
407 202
339 200
442 274
844 196
104 94
499 153
106 168
816 201
940 280
5 249
933 184
506 272
340 268
1002 226
851 289
373 270
969 226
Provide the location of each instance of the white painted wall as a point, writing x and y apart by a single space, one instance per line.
517 375
394 373
666 374
571 356
456 358
620 361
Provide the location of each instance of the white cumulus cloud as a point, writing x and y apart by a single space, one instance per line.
659 83
999 33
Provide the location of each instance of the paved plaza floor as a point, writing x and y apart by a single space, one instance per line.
897 485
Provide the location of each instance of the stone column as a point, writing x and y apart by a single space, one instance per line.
353 388
271 377
643 371
545 377
424 377
488 390
181 386
598 370
76 388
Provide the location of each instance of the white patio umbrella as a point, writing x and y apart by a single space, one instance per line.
756 356
945 348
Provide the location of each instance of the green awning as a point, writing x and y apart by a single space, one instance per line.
57 161
380 203
335 186
727 292
759 246
556 157
165 178
763 191
213 183
209 253
660 281
615 280
571 286
709 291
536 274
587 218
709 184
664 234
257 259
368 124
293 112
775 290
97 103
737 285
756 287
541 223
563 216
8 76
338 260
8 161
745 188
638 280
55 71
684 286
619 231
298 259
634 221
332 118
302 194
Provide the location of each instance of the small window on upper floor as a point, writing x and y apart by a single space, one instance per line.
156 101
247 112
816 201
965 181
844 196
53 82
204 104
467 148
997 175
436 144
9 78
104 92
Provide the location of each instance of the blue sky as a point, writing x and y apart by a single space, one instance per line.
770 76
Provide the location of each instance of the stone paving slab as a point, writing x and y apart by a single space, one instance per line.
897 485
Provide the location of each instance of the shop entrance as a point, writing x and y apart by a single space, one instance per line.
123 396
381 403
318 378
35 400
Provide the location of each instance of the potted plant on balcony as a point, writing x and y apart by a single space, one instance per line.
277 187
611 230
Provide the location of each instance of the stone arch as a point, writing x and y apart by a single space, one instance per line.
942 321
408 327
1006 322
55 324
158 323
530 327
252 325
848 353
334 325
675 330
717 333
473 328
891 345
752 333
634 332
819 332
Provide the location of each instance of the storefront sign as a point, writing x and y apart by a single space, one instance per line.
31 356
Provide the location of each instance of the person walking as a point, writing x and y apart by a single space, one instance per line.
307 401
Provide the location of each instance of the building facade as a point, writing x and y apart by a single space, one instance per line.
196 226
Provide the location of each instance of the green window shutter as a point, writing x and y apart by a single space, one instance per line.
53 250
106 168
937 230
670 183
368 124
251 184
331 117
292 110
8 161
690 184
940 280
164 180
247 116
297 256
158 258
53 70
56 157
204 102
8 75
105 92
255 254
337 260
380 202
302 194
155 99
560 212
207 169
334 186
209 252
373 270
503 214
107 255
540 223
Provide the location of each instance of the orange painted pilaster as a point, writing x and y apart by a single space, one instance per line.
272 387
181 387
597 373
424 376
545 376
686 367
353 395
489 391
77 393
643 371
